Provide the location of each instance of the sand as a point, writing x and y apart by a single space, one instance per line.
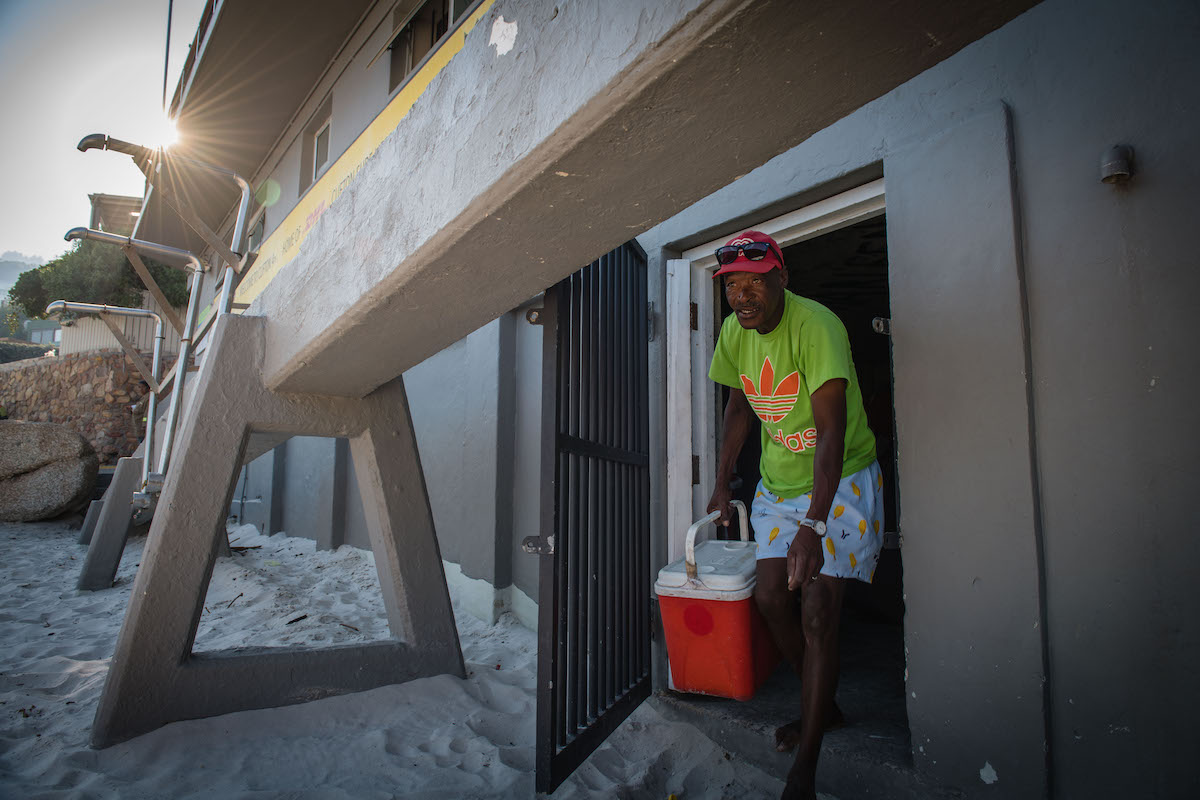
438 737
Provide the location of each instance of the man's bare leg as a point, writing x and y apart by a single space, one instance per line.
778 606
821 606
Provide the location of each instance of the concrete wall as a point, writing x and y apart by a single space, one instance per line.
1044 390
469 171
454 398
479 436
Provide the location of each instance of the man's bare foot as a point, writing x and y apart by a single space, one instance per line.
788 736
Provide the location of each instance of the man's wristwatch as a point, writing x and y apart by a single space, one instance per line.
817 525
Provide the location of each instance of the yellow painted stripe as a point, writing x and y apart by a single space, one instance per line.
284 242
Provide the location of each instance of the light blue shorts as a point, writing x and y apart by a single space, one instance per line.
854 530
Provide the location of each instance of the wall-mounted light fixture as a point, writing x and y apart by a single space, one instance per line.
1116 165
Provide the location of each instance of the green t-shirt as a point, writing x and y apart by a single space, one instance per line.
778 372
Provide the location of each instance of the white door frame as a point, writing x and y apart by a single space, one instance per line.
692 399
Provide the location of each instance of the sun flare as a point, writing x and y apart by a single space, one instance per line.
160 133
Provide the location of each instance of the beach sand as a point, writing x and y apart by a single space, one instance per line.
438 737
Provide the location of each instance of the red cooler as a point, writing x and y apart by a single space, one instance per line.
717 642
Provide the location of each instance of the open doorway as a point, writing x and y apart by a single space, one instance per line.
845 269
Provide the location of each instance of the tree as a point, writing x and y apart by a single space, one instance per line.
92 272
11 319
28 294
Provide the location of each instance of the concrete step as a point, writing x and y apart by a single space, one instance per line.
869 757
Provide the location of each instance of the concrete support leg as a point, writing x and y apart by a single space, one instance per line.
154 678
89 520
223 550
278 486
112 528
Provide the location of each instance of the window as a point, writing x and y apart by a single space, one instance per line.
420 28
316 145
321 150
258 228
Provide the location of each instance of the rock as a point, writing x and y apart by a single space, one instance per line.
45 470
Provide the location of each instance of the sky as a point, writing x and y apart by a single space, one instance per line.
70 68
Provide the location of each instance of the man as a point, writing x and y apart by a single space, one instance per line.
818 510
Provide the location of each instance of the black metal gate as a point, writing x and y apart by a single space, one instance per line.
594 601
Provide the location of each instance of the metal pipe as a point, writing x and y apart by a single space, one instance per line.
185 351
100 141
238 244
152 409
138 244
189 325
225 304
59 306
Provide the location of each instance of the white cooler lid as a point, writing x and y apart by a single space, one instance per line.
721 566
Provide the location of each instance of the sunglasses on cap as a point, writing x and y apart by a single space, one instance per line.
754 251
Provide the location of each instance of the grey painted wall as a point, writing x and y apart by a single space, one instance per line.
254 494
479 440
309 488
525 463
968 514
1045 384
454 397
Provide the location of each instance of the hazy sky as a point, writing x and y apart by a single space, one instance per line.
69 68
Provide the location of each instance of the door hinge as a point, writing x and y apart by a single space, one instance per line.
695 470
882 325
537 546
650 322
694 313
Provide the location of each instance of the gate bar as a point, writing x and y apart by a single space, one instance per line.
595 595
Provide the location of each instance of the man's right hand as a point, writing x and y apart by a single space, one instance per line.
804 558
720 500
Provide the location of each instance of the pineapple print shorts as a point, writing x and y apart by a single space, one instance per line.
854 529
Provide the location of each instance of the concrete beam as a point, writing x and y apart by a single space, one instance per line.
513 170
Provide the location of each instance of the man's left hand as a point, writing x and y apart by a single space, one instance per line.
805 558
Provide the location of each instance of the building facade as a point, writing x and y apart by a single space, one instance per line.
424 170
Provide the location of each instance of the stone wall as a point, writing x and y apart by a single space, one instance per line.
90 393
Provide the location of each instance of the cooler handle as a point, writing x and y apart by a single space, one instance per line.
690 544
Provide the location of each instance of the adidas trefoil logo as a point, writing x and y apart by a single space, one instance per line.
770 402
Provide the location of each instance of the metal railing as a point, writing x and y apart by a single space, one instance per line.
149 373
152 482
151 162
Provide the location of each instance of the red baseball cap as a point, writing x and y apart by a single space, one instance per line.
772 260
